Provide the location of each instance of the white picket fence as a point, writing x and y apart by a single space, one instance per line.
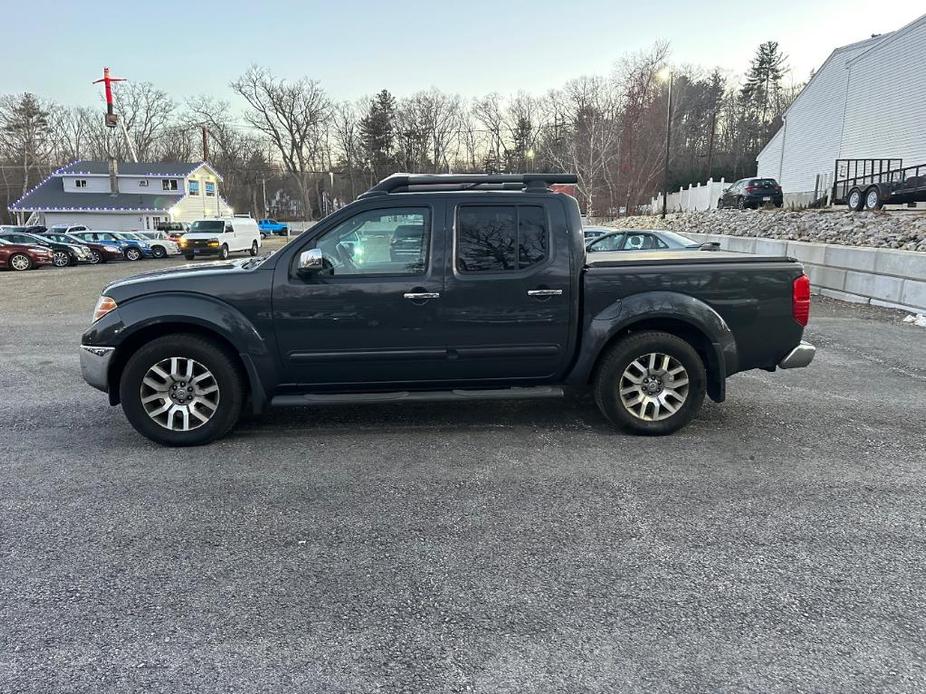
694 197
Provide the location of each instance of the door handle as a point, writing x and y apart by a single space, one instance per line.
418 296
544 292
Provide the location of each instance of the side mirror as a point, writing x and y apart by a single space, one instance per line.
311 260
229 229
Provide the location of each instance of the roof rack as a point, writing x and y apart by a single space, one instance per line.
408 183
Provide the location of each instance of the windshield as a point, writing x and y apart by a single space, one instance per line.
208 226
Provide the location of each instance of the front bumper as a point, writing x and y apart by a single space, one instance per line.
201 250
799 357
94 365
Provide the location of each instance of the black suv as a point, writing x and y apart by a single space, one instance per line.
752 192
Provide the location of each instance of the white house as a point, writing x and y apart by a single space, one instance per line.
124 196
867 101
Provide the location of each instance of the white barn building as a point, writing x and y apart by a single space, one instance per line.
867 101
125 196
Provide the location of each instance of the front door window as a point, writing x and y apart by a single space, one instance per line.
392 241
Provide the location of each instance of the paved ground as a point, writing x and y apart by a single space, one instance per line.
776 544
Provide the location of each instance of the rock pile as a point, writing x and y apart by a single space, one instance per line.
905 230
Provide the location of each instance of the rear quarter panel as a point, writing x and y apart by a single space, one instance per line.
754 299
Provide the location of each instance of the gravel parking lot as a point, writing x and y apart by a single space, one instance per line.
777 544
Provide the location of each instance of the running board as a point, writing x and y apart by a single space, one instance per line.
417 396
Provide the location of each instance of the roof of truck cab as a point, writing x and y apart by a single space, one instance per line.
660 257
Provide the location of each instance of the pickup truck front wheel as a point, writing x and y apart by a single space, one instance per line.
650 383
181 390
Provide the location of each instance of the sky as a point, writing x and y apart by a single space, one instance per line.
56 48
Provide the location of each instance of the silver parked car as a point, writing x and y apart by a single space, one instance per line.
161 244
643 240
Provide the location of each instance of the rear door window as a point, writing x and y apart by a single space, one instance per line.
500 238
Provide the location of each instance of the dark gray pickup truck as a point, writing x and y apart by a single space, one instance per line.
442 288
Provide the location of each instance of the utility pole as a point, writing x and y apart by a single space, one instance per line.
205 142
263 183
710 144
665 173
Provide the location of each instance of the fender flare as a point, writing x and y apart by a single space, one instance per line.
202 313
649 310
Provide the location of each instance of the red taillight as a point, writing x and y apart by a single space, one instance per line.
751 189
800 299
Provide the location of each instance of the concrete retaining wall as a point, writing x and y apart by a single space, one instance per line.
879 276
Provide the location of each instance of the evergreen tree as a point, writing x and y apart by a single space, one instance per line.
762 90
24 133
377 132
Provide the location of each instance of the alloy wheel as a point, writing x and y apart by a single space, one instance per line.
61 259
179 393
95 257
20 262
133 254
654 386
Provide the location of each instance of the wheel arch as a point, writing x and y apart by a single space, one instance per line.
154 316
683 316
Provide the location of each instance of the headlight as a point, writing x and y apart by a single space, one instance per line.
103 306
111 249
214 244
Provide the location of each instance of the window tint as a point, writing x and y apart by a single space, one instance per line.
500 238
532 236
392 241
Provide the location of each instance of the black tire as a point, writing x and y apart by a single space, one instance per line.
60 258
720 203
132 254
227 375
741 204
189 256
158 252
223 252
618 360
95 257
855 200
254 248
22 260
873 199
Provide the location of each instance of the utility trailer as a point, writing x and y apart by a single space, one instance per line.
869 184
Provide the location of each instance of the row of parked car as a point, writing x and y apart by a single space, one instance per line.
29 247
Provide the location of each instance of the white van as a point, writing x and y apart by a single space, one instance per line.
220 236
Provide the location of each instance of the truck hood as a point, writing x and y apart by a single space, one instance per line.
193 277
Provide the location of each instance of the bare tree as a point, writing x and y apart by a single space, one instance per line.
345 124
147 112
293 116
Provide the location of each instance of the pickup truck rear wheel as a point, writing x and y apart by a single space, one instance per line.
650 383
181 390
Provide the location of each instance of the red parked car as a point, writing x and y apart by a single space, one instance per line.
20 256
